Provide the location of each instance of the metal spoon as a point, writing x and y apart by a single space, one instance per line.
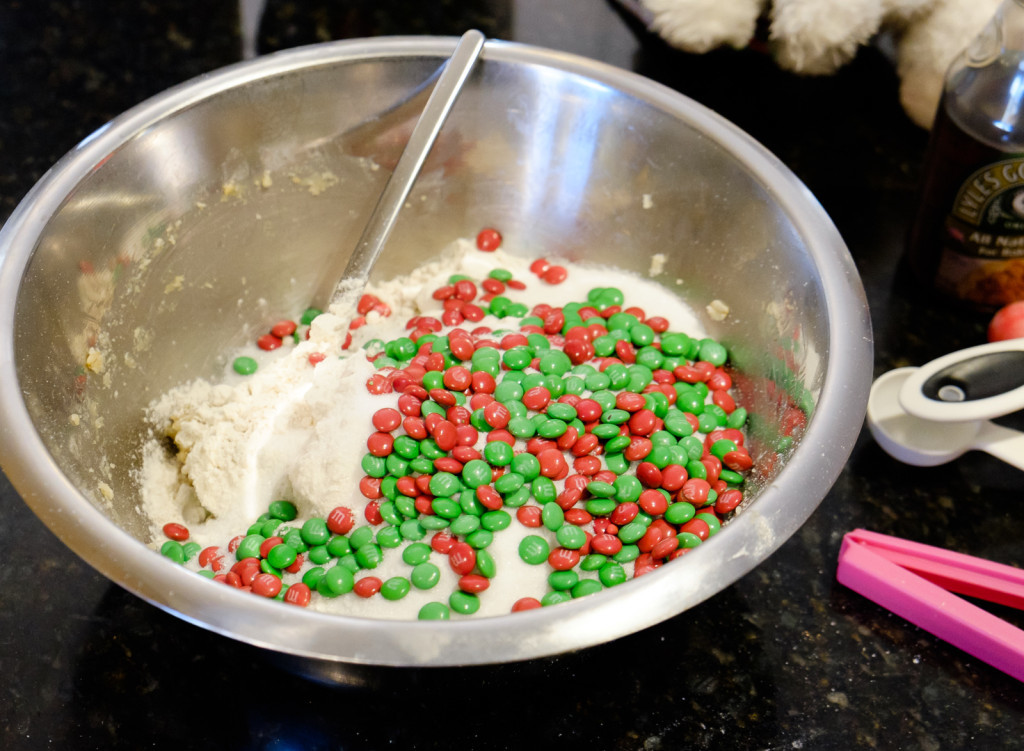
382 219
927 443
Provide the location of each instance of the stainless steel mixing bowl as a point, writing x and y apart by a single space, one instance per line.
190 222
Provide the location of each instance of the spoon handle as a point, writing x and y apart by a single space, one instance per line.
1002 443
398 186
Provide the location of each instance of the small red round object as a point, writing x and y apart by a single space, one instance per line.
624 513
488 240
1007 323
537 398
380 444
266 585
697 527
552 463
268 544
178 532
525 603
539 266
606 544
695 490
489 498
372 513
442 542
386 419
298 594
563 559
462 558
211 557
555 274
529 516
673 476
367 587
281 329
493 286
341 520
473 583
457 378
268 342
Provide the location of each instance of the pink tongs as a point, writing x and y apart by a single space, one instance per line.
915 581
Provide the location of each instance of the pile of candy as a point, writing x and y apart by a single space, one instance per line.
588 421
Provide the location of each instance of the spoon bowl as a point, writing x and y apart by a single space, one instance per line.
929 443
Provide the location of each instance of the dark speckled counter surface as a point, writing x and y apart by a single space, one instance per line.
786 658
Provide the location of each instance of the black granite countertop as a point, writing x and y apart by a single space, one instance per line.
786 658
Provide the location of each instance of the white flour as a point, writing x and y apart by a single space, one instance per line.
297 432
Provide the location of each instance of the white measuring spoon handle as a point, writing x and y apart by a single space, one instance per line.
1002 443
993 369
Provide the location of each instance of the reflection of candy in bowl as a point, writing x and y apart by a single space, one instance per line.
195 222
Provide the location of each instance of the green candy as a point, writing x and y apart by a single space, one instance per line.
480 539
526 465
571 537
369 556
412 529
509 483
630 533
445 484
416 553
601 506
338 546
281 556
464 603
173 550
395 588
315 532
465 524
556 597
485 564
245 365
338 579
434 611
534 549
374 466
389 537
446 508
249 547
554 362
561 581
679 513
283 510
600 489
611 574
552 516
425 576
495 521
627 488
498 453
586 587
713 352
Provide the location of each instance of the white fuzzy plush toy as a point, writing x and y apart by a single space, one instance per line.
818 36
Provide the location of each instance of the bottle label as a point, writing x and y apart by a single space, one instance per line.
983 257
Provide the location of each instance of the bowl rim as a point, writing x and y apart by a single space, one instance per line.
599 618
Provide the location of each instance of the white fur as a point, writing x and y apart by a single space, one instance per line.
819 36
702 25
928 47
812 36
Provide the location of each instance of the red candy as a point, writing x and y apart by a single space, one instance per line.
488 240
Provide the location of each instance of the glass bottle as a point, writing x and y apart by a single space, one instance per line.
967 240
